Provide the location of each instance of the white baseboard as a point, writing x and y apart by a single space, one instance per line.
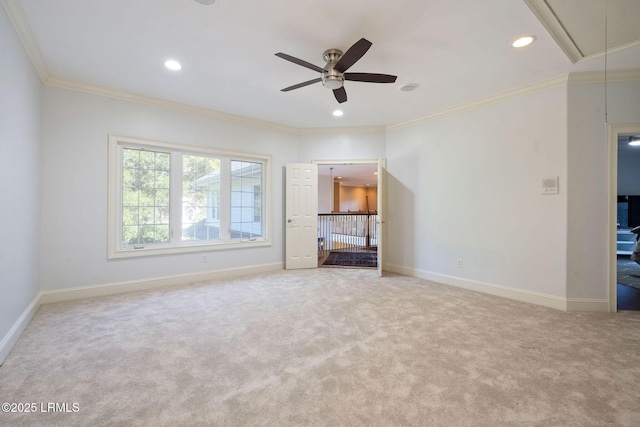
537 298
581 304
46 297
9 340
160 282
16 330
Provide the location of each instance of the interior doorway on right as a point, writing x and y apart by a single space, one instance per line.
628 218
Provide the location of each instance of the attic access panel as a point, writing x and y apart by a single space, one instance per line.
578 26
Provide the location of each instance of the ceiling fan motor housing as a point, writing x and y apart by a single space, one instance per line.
331 78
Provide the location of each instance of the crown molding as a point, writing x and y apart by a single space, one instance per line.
540 8
611 50
16 15
550 21
342 130
185 108
541 86
162 103
601 77
562 80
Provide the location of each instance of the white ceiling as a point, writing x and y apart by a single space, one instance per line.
457 51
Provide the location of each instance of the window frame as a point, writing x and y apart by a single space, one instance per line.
176 244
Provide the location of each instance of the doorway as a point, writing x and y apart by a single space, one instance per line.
349 221
624 278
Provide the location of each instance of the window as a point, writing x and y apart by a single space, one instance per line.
200 179
245 177
145 196
166 198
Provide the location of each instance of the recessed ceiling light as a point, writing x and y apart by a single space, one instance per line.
409 87
206 2
523 41
338 113
173 65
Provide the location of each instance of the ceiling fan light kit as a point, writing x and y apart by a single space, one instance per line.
334 72
331 78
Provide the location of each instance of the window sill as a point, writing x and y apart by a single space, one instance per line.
147 252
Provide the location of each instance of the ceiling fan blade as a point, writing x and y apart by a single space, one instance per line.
299 62
370 77
340 94
299 85
352 55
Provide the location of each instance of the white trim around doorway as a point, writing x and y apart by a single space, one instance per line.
614 132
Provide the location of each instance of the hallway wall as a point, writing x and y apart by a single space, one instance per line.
354 198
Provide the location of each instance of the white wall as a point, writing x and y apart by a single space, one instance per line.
20 99
74 153
588 167
354 198
468 187
345 145
339 145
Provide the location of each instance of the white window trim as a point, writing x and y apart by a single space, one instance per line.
114 225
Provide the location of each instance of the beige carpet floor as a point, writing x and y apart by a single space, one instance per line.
327 347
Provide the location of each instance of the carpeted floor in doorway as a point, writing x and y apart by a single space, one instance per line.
352 259
628 272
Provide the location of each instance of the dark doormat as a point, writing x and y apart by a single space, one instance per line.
352 259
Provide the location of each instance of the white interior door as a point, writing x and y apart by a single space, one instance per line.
301 216
382 213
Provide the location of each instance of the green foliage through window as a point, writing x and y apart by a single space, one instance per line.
145 196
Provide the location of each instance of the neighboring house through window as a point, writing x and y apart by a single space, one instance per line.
168 198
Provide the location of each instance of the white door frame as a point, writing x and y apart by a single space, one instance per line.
382 215
614 132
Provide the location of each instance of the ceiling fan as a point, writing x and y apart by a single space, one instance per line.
334 72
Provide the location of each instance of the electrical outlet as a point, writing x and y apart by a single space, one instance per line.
459 263
204 258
